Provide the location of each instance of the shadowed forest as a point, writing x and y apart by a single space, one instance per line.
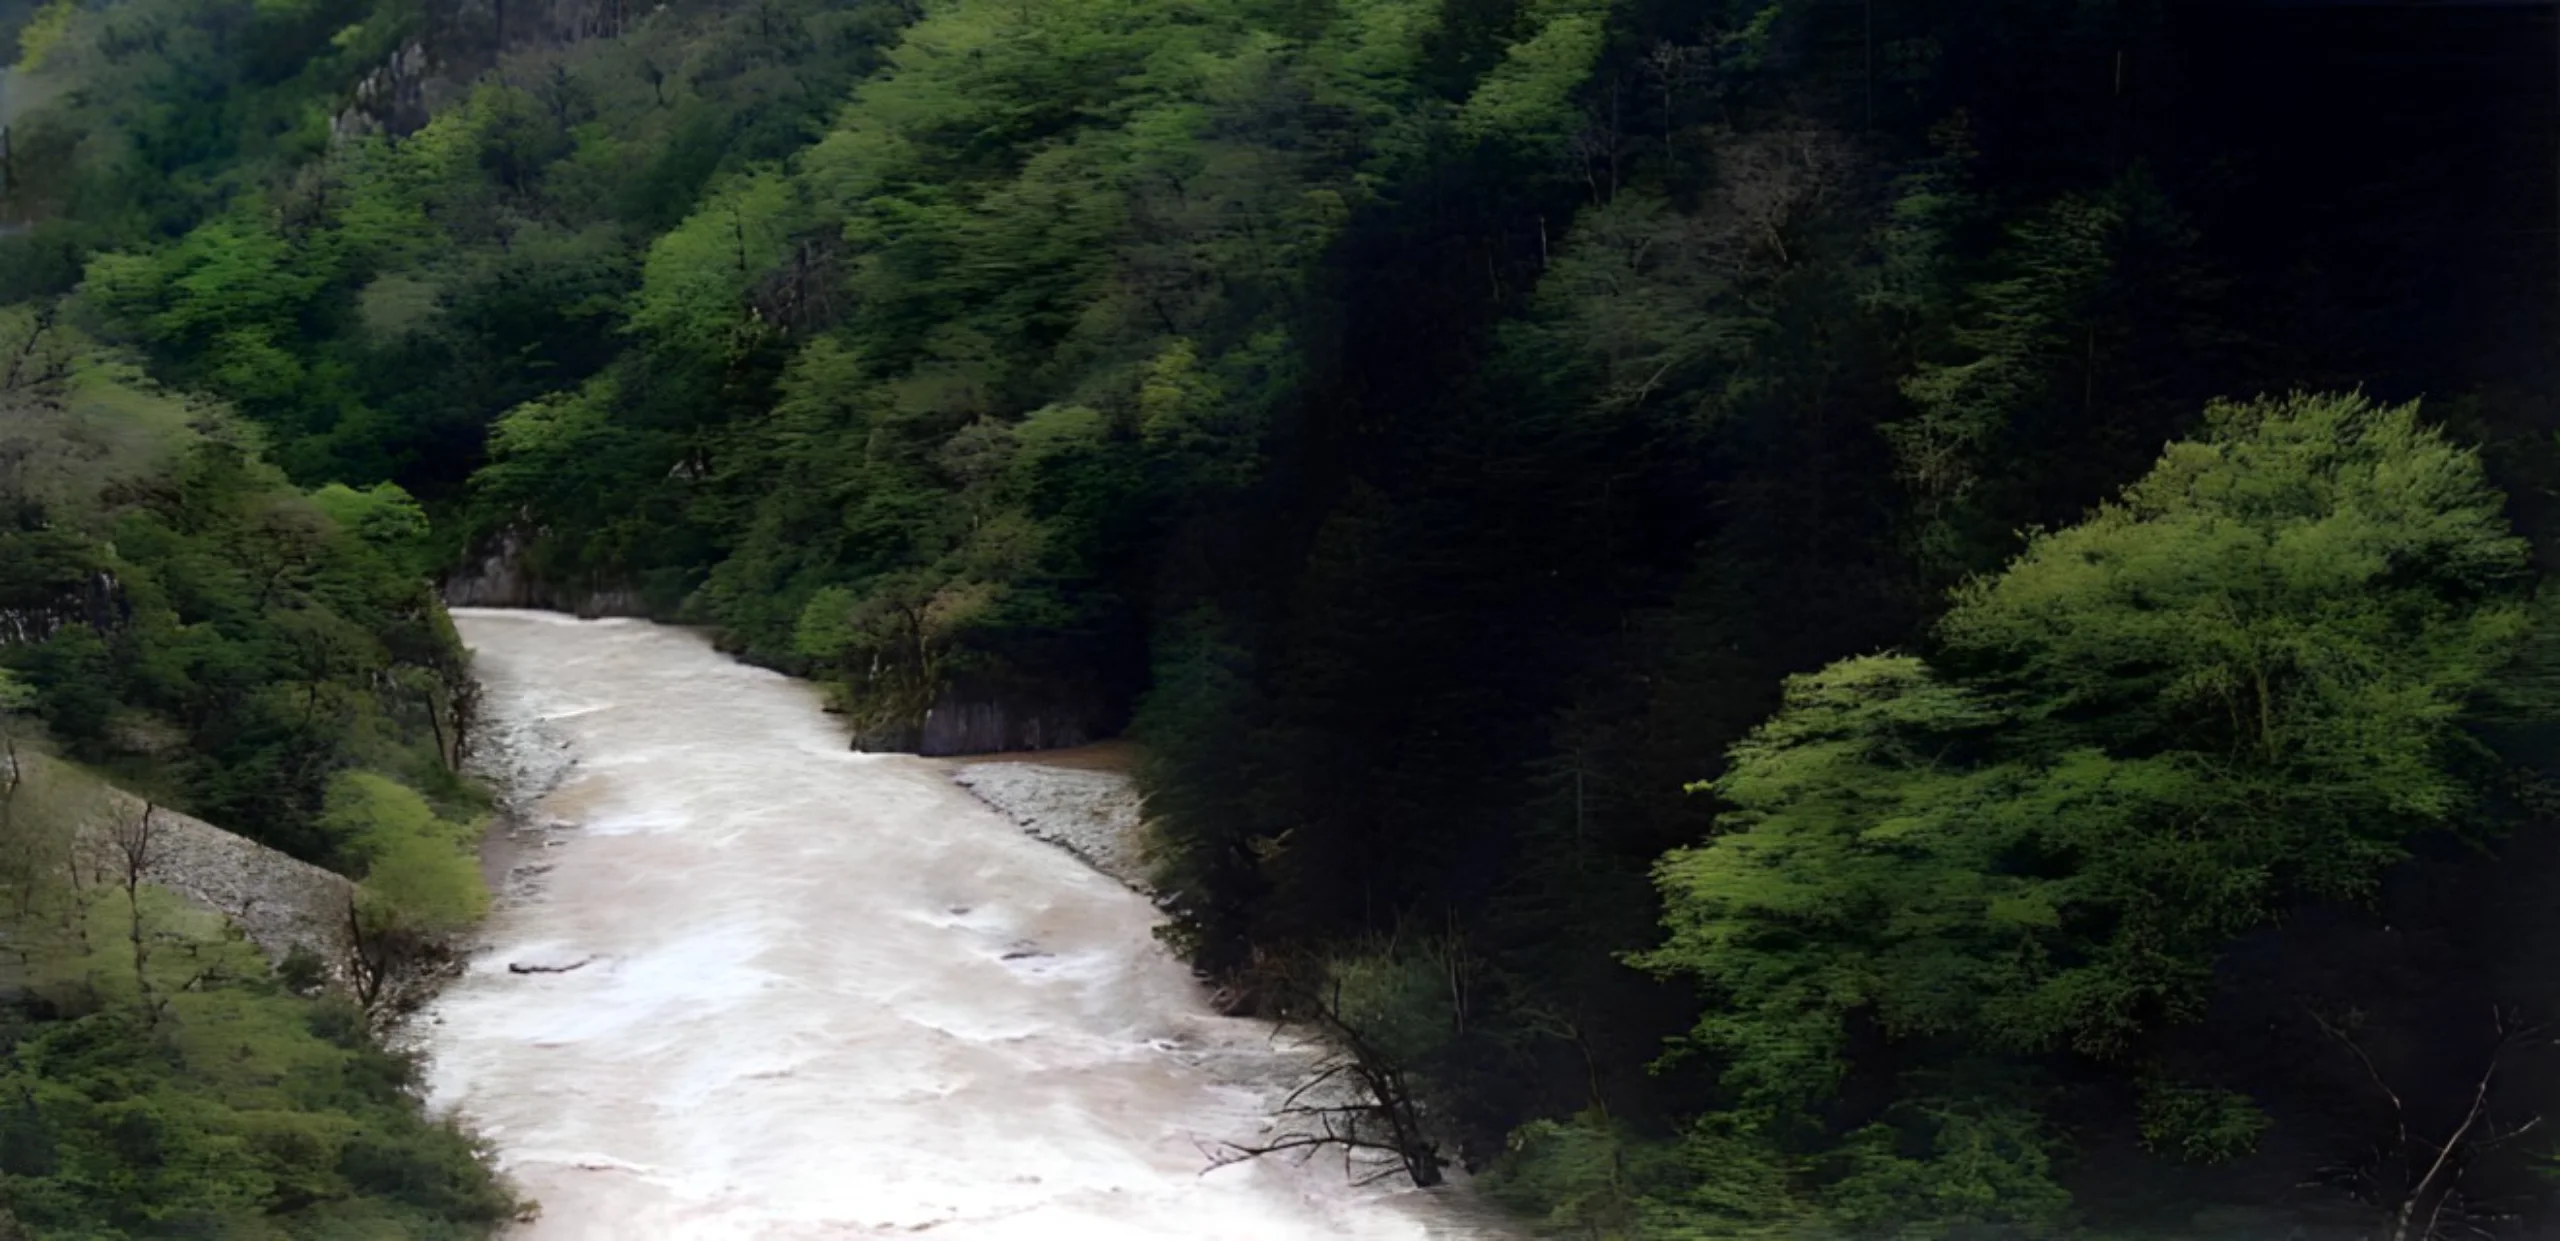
1910 619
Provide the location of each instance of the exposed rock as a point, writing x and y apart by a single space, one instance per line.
1094 815
963 723
390 99
983 715
521 759
454 43
279 903
99 602
496 576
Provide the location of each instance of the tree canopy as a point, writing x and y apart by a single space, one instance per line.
2239 686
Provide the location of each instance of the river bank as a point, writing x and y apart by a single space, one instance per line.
521 760
1083 800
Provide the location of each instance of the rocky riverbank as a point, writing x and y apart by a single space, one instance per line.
521 760
1083 801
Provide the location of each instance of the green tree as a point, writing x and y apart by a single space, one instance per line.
2240 685
420 875
187 1094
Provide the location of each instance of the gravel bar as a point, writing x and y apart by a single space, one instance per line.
1091 814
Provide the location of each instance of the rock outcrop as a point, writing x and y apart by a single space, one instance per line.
496 576
98 602
965 725
392 99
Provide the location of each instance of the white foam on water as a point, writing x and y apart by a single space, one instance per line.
797 1019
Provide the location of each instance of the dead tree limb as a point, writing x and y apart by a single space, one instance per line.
2432 1171
1356 1100
136 839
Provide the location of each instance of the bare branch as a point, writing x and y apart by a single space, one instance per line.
135 839
1355 1100
2399 1112
2419 1211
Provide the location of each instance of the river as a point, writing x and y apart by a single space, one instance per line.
830 995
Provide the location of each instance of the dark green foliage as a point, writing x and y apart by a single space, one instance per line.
1202 715
152 114
2238 687
118 1129
190 620
231 1105
377 303
172 611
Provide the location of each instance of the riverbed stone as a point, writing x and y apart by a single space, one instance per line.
1095 815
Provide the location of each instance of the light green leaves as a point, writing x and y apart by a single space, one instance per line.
1528 98
382 514
2240 685
694 286
539 446
43 31
15 693
420 872
825 629
2317 585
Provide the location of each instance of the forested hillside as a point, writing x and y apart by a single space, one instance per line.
180 617
176 616
1825 618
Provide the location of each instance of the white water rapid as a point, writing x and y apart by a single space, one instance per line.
830 995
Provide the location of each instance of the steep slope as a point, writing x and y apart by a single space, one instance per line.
279 903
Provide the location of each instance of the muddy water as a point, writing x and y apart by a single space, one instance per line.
819 994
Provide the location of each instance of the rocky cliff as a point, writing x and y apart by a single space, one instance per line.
98 601
498 576
961 722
